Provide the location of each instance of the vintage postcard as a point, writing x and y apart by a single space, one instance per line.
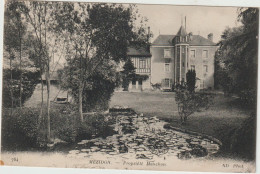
129 86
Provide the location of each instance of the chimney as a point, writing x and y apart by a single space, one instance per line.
210 37
190 35
149 35
148 39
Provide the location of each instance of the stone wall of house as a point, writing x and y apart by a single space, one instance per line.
158 72
204 67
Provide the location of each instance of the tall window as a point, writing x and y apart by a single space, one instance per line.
142 64
167 67
167 82
183 49
205 68
192 67
192 53
167 53
205 54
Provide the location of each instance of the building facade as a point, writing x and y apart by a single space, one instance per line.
141 59
174 55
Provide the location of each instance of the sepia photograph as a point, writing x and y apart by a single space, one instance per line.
129 86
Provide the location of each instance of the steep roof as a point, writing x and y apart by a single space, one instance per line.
197 40
132 51
201 41
182 32
163 40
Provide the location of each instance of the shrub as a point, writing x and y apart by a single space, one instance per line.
156 86
188 103
19 128
71 129
248 98
243 141
64 114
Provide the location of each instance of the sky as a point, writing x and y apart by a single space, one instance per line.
202 20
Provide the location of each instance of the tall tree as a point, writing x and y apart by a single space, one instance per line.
191 80
237 55
14 31
95 33
40 17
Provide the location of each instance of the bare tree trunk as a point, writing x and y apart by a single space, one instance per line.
41 110
48 104
41 71
47 80
80 101
80 92
20 67
11 89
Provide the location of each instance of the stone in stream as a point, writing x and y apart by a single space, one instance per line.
85 150
105 150
94 148
170 145
74 151
112 153
198 151
140 149
194 143
141 156
204 142
84 142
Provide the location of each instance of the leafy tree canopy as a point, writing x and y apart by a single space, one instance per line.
237 54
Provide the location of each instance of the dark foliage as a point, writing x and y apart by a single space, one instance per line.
239 141
128 73
243 141
236 59
191 80
98 96
188 103
29 81
156 86
19 129
98 89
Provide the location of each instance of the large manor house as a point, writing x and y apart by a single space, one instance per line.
170 57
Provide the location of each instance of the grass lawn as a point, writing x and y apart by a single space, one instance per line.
223 116
150 103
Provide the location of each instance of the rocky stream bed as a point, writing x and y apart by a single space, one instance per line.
139 137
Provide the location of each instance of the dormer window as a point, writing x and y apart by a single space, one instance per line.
177 39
